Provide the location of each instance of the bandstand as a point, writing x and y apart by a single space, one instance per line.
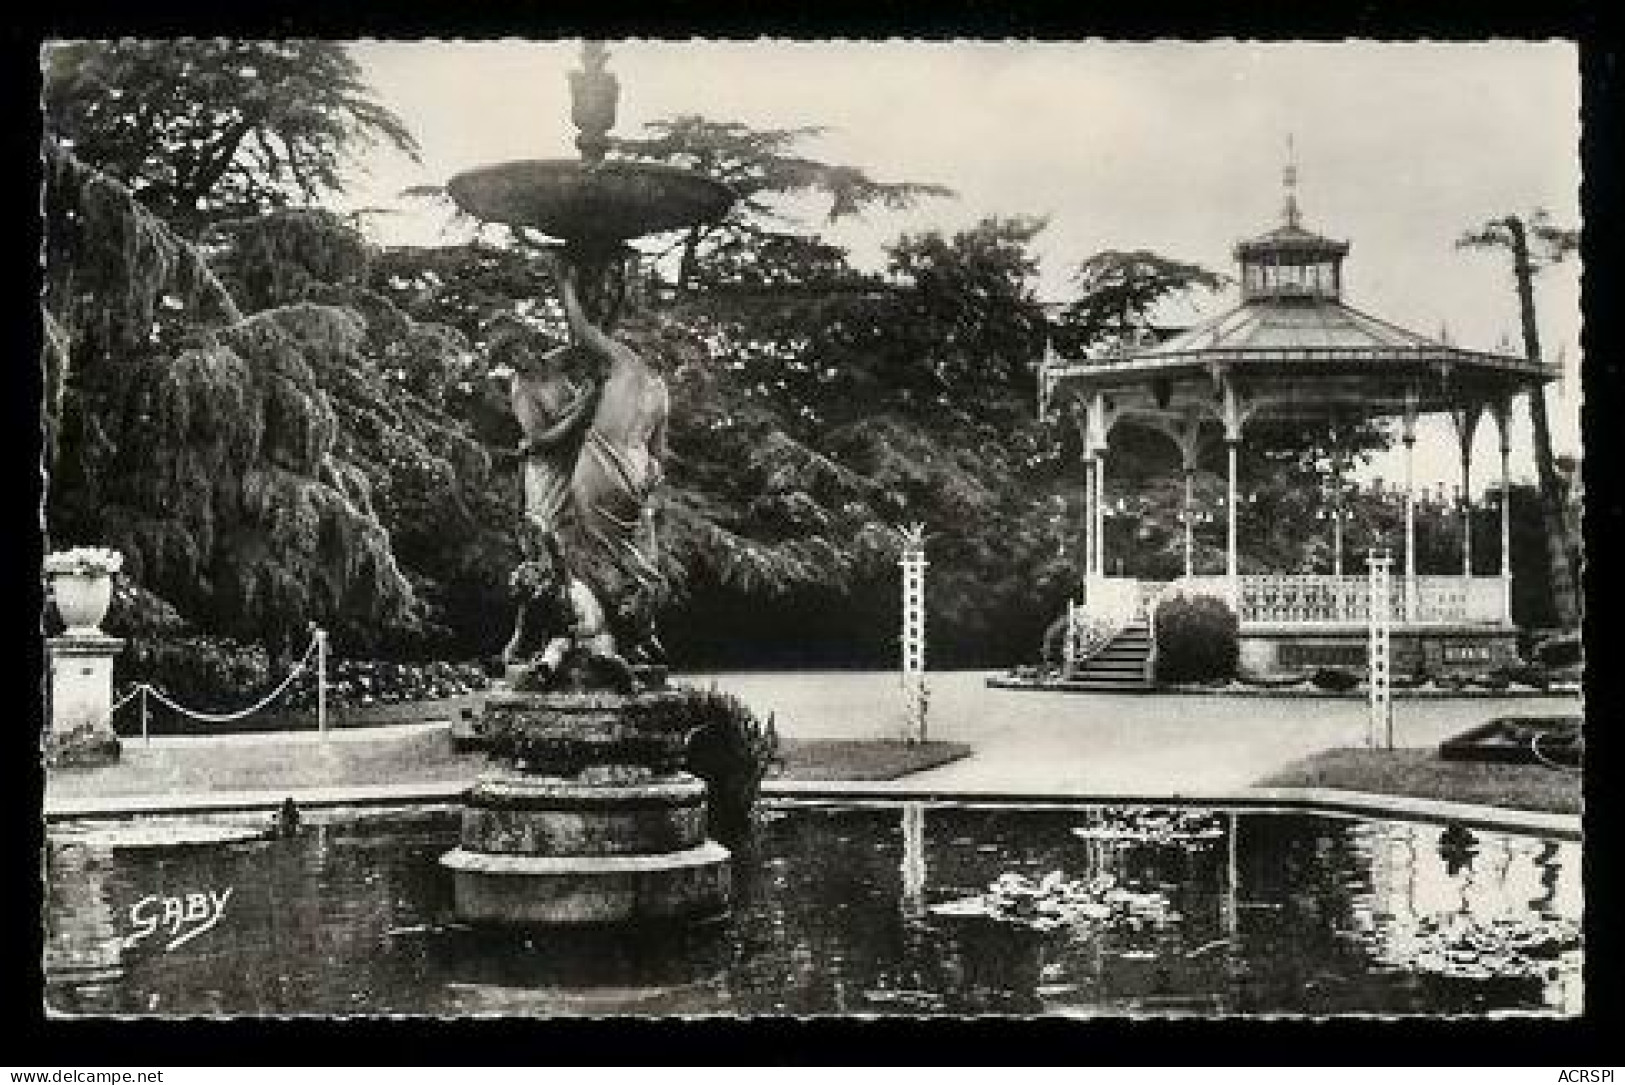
1292 348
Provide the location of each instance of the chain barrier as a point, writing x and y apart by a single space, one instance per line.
318 648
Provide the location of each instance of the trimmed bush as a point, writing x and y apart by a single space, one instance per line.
1528 674
731 750
1334 679
1197 640
1564 650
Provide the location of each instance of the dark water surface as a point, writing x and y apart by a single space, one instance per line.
1271 913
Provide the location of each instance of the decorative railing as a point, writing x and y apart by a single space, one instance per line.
1308 599
1087 633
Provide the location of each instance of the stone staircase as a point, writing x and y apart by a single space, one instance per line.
1120 667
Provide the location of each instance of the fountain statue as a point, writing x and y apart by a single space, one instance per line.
590 817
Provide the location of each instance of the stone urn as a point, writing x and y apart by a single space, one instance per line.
82 587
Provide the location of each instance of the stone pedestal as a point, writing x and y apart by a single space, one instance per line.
81 699
590 818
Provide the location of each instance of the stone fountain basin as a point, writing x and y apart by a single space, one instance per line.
586 204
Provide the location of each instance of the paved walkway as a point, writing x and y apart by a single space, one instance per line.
1100 743
1025 742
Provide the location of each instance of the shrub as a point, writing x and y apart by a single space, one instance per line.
731 750
208 673
1334 679
1527 674
1564 650
1197 640
362 682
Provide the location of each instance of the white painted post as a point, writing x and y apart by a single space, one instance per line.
1379 651
913 640
321 682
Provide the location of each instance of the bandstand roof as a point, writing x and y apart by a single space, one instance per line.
1293 346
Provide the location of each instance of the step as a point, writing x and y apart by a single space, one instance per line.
1107 687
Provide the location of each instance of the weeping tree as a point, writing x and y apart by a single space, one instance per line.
251 467
1534 243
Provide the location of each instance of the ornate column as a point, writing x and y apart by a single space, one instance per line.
1466 421
1100 511
1337 537
1235 417
1503 425
1231 563
1409 437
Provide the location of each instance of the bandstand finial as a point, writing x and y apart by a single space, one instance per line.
1289 180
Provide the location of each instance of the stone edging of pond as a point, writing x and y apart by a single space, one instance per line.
1280 692
1308 800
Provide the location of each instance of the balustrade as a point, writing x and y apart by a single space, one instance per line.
1315 599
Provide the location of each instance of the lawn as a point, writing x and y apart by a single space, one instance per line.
1421 773
879 759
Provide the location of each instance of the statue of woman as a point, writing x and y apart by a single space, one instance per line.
608 532
552 407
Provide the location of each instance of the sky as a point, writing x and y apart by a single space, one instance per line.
1175 147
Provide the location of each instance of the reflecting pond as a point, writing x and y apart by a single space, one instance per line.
839 910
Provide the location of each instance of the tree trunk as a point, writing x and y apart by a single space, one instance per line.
1565 598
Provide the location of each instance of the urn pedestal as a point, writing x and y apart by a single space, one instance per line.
590 819
81 705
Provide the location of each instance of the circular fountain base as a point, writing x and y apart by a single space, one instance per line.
593 819
562 889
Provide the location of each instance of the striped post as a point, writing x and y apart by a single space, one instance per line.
1379 664
913 640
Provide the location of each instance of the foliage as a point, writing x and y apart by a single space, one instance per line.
1117 293
763 167
201 671
1552 243
258 471
1334 679
1561 651
1197 639
731 749
205 129
359 683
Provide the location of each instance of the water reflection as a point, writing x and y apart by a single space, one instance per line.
1261 913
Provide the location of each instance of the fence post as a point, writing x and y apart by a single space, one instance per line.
1379 669
321 681
914 692
146 735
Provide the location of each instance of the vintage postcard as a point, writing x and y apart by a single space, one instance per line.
845 528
